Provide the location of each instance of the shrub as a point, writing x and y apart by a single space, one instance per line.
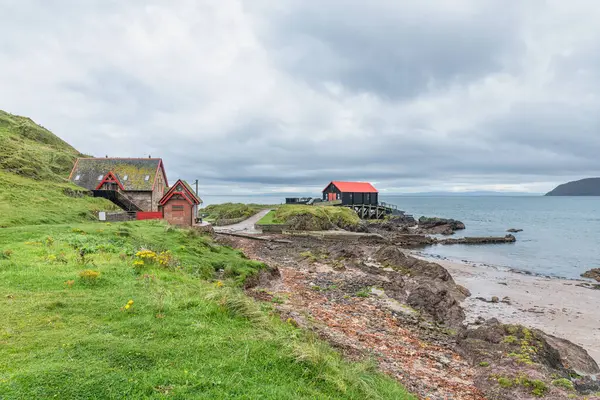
505 382
232 210
309 256
563 383
89 277
484 364
6 254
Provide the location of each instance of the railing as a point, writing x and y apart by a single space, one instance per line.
118 198
388 205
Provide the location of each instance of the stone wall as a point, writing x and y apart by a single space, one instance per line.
160 188
142 199
232 221
275 228
119 217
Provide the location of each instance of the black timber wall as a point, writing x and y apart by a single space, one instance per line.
350 198
330 189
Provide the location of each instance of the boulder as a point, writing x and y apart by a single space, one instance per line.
570 355
435 299
593 273
463 290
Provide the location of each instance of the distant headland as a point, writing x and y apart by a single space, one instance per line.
583 187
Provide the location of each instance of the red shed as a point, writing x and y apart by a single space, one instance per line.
179 205
351 193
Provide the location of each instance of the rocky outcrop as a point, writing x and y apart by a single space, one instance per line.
395 258
514 230
263 277
442 226
431 287
517 362
593 273
480 240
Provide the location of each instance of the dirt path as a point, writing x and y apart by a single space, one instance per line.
246 226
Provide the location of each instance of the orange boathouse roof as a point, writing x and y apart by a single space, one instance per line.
355 187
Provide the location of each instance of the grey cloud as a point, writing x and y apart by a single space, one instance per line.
266 96
396 51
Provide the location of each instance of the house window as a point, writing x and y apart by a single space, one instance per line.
78 177
177 208
100 177
147 178
126 177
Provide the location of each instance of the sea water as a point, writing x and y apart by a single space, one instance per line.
561 235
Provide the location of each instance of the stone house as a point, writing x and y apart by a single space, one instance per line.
134 184
179 205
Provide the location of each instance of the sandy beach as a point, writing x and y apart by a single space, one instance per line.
556 306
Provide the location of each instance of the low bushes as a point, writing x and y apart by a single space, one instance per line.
232 211
309 218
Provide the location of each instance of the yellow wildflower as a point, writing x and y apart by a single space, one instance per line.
127 307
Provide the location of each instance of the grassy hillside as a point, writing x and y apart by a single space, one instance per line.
143 310
312 218
26 201
34 165
29 150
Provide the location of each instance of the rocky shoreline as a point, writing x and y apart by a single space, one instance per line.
533 300
421 320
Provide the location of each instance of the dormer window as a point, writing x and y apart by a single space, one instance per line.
100 177
78 177
147 178
125 177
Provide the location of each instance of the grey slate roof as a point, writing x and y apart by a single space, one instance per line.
193 191
131 172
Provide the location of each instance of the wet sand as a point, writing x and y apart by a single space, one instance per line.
556 306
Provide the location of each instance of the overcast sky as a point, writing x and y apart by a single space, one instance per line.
286 95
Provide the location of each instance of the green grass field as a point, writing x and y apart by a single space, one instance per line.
158 314
269 219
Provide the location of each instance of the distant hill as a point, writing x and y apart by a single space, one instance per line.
583 187
34 166
31 151
464 194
